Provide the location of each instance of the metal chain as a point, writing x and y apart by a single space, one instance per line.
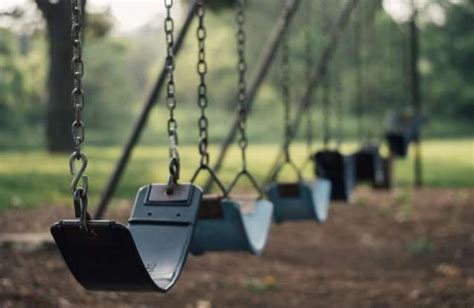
338 105
77 67
308 50
174 165
242 86
203 121
286 95
358 74
326 108
326 96
242 101
78 129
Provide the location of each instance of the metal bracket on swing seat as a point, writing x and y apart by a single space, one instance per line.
148 255
289 190
211 207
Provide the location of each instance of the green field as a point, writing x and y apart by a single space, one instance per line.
35 178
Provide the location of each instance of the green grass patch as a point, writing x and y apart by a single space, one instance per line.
36 178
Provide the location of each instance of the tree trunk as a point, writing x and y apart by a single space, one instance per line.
59 114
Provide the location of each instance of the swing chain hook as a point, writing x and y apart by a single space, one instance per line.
79 173
174 166
80 192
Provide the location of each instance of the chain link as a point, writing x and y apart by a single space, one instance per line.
203 121
242 86
174 166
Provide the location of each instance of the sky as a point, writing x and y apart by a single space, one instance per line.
131 14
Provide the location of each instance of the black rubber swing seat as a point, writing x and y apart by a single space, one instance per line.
301 201
223 225
368 165
339 170
148 255
398 144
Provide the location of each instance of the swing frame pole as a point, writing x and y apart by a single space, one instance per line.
266 58
141 121
416 100
320 70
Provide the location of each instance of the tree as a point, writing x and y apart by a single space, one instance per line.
449 65
57 15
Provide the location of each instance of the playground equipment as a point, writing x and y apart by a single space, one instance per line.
295 200
149 253
223 225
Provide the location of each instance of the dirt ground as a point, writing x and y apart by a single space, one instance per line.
401 248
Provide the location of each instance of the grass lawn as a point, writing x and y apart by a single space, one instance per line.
36 178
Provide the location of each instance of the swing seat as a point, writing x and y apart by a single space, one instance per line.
339 170
300 201
386 178
398 144
224 226
146 255
368 165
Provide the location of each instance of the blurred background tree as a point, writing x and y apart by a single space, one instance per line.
448 64
122 65
57 15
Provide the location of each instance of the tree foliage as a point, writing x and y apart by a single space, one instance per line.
449 63
120 70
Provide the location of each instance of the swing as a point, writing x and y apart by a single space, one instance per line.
401 130
300 201
295 200
331 164
367 161
149 253
223 223
398 144
224 226
368 164
339 170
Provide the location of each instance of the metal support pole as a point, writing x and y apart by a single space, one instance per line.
319 72
141 121
415 92
266 58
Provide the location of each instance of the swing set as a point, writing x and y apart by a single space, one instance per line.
172 219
